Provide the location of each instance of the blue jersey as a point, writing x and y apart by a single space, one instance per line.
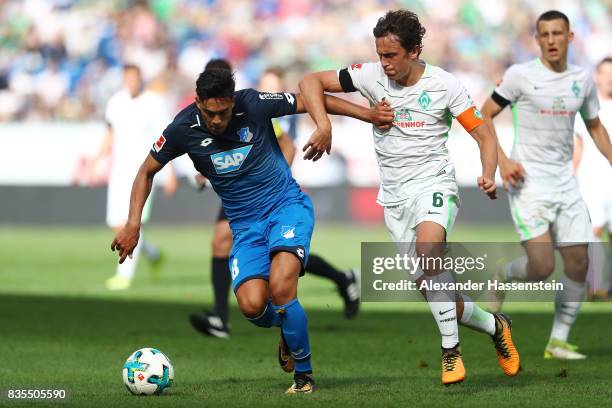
244 165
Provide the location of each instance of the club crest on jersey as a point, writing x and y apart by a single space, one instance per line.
424 100
231 160
245 134
287 232
157 146
576 89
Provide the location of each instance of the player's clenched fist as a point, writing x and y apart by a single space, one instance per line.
125 241
487 184
319 143
382 115
512 173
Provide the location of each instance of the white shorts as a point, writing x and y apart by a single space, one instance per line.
118 203
565 213
438 203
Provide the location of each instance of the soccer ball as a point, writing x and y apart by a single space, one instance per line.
148 372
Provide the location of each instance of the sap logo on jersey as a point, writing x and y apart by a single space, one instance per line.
231 160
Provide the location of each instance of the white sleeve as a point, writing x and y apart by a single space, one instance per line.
363 77
580 129
459 99
590 106
509 87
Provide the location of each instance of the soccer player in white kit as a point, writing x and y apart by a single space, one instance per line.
418 187
547 209
589 161
135 118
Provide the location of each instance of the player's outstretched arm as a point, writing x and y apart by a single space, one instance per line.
489 110
381 115
487 142
600 136
313 100
512 172
127 239
312 87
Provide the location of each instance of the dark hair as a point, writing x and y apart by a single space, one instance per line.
132 67
215 83
607 60
405 25
552 15
218 63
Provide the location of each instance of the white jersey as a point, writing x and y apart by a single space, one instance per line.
136 123
414 151
594 171
594 167
544 106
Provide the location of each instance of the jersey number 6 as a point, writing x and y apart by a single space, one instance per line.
438 201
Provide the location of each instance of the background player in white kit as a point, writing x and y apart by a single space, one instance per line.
546 206
135 118
418 187
588 162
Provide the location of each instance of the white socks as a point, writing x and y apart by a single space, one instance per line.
567 305
476 318
516 270
442 305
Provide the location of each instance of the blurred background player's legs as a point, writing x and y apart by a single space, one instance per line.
125 271
538 265
216 321
346 282
115 217
567 303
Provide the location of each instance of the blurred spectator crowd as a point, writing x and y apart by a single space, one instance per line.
61 59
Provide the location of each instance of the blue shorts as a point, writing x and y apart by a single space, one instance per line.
287 229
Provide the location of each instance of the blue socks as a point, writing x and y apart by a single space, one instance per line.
293 322
294 325
267 318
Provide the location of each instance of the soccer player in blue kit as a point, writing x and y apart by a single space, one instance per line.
230 139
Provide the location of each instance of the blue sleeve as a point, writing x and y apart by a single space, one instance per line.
170 145
269 105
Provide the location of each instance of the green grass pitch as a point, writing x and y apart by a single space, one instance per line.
60 329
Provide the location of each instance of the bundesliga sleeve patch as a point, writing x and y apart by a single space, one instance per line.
267 96
157 146
470 119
